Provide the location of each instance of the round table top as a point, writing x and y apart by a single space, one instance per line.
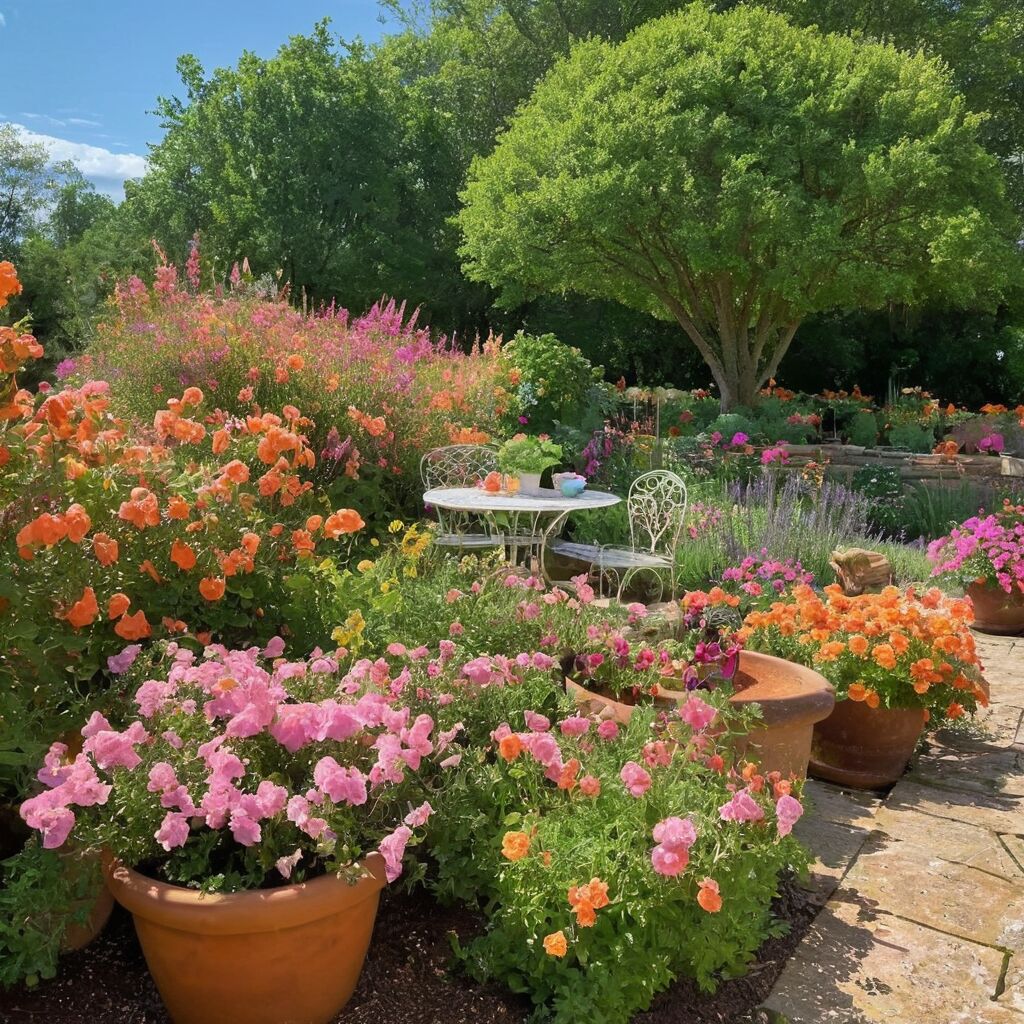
476 499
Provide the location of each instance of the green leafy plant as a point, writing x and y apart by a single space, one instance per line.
525 454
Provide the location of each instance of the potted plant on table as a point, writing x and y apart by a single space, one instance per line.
249 825
986 555
897 660
527 457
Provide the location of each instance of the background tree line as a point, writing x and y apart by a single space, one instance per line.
341 165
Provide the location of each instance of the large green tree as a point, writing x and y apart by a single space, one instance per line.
738 174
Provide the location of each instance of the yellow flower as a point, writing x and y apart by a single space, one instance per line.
410 571
395 525
385 587
374 543
351 630
365 565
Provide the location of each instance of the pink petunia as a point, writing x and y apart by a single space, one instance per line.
635 779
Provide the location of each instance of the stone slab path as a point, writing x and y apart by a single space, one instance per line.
922 892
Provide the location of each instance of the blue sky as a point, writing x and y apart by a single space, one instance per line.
82 74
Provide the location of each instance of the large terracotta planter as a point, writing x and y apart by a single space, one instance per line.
865 748
272 956
792 699
996 611
79 934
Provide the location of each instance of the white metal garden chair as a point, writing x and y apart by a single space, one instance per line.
460 465
656 506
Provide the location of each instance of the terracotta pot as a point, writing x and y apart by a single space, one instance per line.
290 955
78 935
792 699
865 748
996 611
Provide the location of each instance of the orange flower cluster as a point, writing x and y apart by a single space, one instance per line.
9 283
375 426
912 649
586 899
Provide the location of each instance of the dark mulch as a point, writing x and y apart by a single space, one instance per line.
405 980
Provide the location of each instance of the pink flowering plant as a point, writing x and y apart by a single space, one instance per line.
237 772
987 549
612 858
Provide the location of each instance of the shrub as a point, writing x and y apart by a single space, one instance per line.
553 383
380 390
894 649
986 549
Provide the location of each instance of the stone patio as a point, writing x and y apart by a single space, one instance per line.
922 891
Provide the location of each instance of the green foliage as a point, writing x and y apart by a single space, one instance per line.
525 454
580 196
42 894
556 381
863 428
912 436
653 928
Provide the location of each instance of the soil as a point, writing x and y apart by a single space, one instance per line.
406 979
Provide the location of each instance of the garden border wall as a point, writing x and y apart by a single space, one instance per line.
844 460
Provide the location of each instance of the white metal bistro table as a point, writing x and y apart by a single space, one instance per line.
530 519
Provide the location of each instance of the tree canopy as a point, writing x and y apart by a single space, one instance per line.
737 174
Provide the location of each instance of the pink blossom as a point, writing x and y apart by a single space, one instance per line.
342 785
675 832
274 648
392 849
535 722
635 779
118 663
590 786
608 729
419 815
244 828
787 811
97 723
742 807
286 865
697 713
111 749
575 726
173 831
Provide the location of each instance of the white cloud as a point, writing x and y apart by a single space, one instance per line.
84 122
106 169
3 20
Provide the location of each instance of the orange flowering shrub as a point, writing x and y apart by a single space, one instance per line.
112 536
380 389
896 649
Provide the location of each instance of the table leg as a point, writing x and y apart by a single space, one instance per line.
552 528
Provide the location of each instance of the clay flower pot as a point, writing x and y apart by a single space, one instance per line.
78 935
996 611
792 699
865 748
267 956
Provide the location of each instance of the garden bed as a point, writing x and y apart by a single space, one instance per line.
405 980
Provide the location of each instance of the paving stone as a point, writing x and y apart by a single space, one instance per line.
850 807
999 730
1012 996
1002 814
991 771
1016 847
954 841
859 967
834 848
957 899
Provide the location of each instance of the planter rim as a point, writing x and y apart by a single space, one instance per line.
786 692
784 689
289 906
